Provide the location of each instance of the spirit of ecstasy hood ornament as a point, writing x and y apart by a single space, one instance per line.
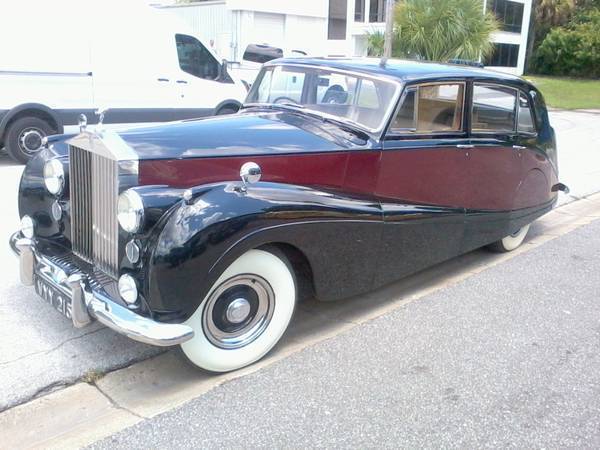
101 112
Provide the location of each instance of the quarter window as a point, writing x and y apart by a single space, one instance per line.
434 108
195 59
525 123
494 108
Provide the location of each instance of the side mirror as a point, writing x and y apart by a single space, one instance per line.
223 73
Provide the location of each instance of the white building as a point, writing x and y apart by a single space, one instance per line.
334 27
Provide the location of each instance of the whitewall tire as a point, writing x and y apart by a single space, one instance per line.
244 314
511 242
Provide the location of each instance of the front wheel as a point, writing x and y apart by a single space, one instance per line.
244 315
510 242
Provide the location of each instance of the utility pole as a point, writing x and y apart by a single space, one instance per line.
389 25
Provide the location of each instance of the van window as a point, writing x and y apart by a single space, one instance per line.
525 121
195 59
431 108
494 108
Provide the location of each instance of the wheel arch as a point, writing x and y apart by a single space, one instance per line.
31 110
227 103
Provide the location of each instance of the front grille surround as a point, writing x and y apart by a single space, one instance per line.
94 192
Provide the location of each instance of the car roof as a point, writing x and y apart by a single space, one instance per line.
402 70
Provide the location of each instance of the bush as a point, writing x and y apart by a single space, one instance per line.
573 50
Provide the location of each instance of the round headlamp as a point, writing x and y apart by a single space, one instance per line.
130 211
27 226
128 289
54 176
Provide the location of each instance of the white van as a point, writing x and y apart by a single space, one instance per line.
64 58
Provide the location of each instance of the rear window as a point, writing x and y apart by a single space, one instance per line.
525 118
494 108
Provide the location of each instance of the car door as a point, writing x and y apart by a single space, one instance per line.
495 169
422 179
199 79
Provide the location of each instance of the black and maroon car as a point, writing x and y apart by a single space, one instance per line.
354 173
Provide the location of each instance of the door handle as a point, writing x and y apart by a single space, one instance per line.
465 146
163 79
182 82
519 147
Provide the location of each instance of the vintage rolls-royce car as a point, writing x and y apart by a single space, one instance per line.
336 177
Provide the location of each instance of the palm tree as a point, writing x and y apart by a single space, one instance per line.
439 30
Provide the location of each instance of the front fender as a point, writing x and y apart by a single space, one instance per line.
339 235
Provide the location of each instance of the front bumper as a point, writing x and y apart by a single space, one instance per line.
89 301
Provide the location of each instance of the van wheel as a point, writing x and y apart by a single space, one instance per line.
24 137
245 313
511 242
228 109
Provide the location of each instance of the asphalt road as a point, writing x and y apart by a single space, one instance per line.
40 351
509 357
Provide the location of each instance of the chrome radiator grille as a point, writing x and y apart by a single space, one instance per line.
94 191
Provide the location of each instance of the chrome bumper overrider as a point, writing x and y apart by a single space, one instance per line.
88 303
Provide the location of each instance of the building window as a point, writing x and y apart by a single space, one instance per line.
336 27
509 14
359 10
504 55
377 11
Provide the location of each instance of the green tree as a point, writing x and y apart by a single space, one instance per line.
574 49
438 30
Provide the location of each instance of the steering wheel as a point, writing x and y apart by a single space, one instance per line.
335 95
285 100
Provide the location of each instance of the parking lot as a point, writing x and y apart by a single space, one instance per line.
41 352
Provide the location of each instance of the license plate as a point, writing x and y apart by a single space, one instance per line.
53 296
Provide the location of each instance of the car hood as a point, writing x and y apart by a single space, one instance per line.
242 134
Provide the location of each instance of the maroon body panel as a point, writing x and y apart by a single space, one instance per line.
426 176
313 169
494 175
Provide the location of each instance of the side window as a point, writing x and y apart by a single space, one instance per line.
525 119
431 108
195 59
494 108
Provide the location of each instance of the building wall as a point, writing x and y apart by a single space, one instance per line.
233 24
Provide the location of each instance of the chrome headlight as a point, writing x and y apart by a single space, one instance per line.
27 226
130 211
54 176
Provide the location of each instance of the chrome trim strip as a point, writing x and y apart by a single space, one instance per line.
45 74
88 302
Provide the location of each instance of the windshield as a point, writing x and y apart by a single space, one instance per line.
349 97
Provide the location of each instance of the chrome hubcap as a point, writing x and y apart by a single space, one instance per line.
30 140
238 311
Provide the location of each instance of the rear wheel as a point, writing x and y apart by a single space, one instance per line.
510 242
24 137
244 315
